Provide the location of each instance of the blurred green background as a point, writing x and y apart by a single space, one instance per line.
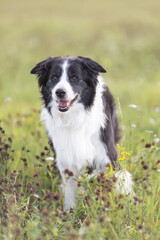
123 36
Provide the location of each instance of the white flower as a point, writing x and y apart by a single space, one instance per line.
156 109
36 195
133 125
156 140
8 99
49 159
149 131
151 120
132 106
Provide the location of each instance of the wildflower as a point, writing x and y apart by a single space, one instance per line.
156 140
37 196
42 153
104 198
101 218
38 184
110 172
10 139
132 106
87 222
157 109
48 195
122 159
140 226
87 197
49 159
106 167
59 182
45 212
56 196
151 120
109 189
64 213
137 199
145 166
68 227
124 152
36 175
71 210
148 145
120 206
114 179
128 153
98 192
46 148
70 173
149 131
8 99
79 183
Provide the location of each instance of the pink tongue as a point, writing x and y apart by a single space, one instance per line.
63 103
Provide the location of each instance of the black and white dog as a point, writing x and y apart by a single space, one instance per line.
80 119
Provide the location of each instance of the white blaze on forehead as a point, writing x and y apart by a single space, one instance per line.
64 83
65 66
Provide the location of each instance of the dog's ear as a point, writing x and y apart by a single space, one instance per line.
92 65
41 70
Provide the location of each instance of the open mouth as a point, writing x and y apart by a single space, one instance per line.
64 106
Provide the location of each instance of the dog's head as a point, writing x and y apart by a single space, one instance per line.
68 80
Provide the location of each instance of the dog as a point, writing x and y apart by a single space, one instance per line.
80 119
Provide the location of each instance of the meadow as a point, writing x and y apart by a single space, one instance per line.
123 36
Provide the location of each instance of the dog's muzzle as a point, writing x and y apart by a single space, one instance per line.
64 105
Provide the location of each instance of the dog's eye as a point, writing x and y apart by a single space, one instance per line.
74 78
54 78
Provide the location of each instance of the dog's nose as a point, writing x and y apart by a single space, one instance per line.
60 93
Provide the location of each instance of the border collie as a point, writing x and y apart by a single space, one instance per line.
80 119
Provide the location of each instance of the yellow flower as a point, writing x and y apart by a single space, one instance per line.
122 148
122 159
106 167
124 152
127 153
111 171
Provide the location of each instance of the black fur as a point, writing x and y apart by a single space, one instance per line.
110 135
92 65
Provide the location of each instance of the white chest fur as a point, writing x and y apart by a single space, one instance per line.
76 135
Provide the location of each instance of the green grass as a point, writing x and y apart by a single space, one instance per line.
124 37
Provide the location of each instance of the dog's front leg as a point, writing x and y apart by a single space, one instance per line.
69 190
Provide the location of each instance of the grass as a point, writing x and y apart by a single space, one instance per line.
124 37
